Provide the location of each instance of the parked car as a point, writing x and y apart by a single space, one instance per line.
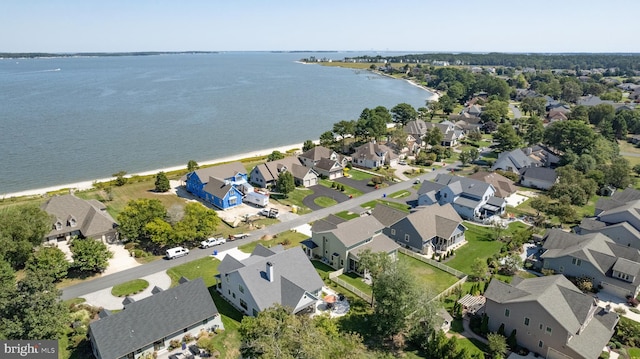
238 236
210 242
176 252
270 212
402 162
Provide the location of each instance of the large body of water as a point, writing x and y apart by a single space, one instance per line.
64 120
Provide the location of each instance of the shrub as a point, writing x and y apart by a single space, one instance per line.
129 245
188 338
174 344
286 242
620 310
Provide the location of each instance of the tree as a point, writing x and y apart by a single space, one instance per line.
539 203
571 91
506 137
433 136
512 264
162 182
617 173
49 262
327 139
7 289
22 228
603 112
274 156
534 130
403 113
121 180
579 113
192 166
398 137
533 105
135 216
36 312
307 145
433 107
90 255
468 156
285 183
372 264
497 345
277 333
512 342
479 269
574 136
474 136
198 222
447 104
495 111
636 169
160 232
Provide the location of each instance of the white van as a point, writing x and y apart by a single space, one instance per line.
176 252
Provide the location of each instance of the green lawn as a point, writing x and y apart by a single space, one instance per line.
324 202
400 194
288 239
130 287
634 353
204 267
359 175
396 205
480 245
349 191
347 215
322 269
429 278
356 281
295 199
473 346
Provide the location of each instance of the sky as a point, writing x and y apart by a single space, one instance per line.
59 26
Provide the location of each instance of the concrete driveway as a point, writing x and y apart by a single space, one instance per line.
322 191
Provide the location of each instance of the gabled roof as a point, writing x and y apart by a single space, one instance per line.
434 220
271 170
504 186
328 164
317 153
293 276
379 243
428 186
356 230
299 171
387 215
220 172
143 322
540 173
327 224
90 217
373 151
218 188
464 185
619 198
518 158
416 127
554 294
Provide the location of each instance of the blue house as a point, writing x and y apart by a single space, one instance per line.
222 186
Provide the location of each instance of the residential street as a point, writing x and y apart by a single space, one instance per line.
110 280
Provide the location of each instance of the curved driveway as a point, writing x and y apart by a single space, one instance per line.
110 280
322 191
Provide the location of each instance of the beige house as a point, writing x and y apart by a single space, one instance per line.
324 161
73 216
267 174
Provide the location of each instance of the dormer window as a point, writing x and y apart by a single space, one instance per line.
58 225
72 222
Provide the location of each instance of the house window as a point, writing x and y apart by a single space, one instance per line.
506 312
561 269
549 330
576 261
541 326
233 294
540 343
406 238
233 200
393 232
342 262
240 288
526 321
184 330
445 195
205 321
255 313
243 304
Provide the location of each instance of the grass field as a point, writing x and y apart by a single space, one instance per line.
359 175
130 287
295 199
430 279
349 191
324 202
204 267
480 245
396 205
347 215
400 194
292 238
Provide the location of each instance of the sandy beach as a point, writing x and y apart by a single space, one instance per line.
85 185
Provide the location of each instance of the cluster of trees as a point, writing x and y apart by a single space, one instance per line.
148 223
625 63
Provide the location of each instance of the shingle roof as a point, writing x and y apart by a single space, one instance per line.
540 173
217 188
317 153
554 294
326 224
619 198
293 276
504 186
416 127
379 243
428 186
271 170
328 164
387 215
466 185
224 171
357 230
435 220
142 323
90 219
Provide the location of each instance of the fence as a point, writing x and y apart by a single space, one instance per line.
431 262
333 276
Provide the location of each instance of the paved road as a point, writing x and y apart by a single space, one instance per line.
110 280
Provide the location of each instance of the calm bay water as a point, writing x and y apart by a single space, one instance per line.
64 120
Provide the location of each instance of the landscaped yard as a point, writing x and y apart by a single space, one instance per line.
349 191
396 205
324 202
347 215
295 199
400 194
356 281
204 267
130 287
480 245
288 239
359 175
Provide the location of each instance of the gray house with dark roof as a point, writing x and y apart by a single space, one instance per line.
514 161
269 276
551 316
612 267
340 246
472 199
148 325
73 216
429 230
622 233
324 161
538 177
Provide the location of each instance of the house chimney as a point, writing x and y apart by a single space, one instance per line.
269 271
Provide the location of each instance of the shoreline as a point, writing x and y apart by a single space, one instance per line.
87 185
